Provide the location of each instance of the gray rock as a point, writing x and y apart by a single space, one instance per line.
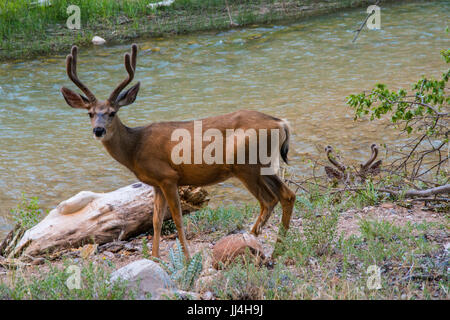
178 295
146 277
208 295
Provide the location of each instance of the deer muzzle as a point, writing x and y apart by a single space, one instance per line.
99 132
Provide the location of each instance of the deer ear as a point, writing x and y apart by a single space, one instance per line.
129 96
74 99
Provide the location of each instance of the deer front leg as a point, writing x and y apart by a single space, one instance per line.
159 210
170 191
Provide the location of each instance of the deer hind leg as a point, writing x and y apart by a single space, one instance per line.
287 200
264 215
266 198
160 207
170 191
286 196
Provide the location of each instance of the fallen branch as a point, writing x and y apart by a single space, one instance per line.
408 194
432 199
428 192
98 218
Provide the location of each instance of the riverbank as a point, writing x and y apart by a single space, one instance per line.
328 253
28 30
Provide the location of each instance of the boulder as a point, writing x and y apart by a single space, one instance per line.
146 278
236 245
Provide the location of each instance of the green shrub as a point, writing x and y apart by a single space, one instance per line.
27 213
222 220
185 273
243 280
52 285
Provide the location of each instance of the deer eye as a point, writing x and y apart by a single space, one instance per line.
91 115
112 114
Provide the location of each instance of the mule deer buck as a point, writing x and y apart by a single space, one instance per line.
147 151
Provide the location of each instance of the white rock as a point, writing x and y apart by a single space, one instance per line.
98 41
147 277
164 3
43 3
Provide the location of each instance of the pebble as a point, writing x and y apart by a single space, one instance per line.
387 205
108 254
38 261
208 295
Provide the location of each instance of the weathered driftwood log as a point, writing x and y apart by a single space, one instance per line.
96 217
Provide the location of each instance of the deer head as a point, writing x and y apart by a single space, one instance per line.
102 113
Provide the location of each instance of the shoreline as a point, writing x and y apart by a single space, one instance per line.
168 22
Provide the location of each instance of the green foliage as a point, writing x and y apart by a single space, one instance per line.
222 220
320 219
369 196
243 280
52 285
168 227
183 272
145 250
27 213
382 241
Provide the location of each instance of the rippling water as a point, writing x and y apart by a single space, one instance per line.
299 71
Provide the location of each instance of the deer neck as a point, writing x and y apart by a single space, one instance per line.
122 143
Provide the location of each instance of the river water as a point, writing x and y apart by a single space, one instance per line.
301 71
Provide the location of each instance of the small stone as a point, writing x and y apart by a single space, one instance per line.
208 295
404 296
38 261
387 205
109 254
209 271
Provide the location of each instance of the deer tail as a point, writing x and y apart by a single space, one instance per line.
284 140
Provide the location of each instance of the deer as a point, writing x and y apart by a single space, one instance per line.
147 152
342 174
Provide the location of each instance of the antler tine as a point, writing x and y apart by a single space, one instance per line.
329 150
372 158
130 66
71 66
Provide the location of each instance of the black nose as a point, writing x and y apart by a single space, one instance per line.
99 132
